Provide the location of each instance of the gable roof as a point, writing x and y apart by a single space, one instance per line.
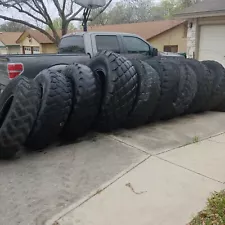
37 35
204 7
9 38
146 30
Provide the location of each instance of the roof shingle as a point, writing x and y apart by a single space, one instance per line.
9 38
146 30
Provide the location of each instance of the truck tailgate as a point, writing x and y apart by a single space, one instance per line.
33 64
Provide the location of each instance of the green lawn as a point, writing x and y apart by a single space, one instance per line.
214 213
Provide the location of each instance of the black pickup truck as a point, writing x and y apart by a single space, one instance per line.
77 47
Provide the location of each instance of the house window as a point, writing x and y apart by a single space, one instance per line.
110 43
170 48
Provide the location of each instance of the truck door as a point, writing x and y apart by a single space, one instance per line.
107 42
135 47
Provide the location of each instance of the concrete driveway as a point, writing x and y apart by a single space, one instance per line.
106 179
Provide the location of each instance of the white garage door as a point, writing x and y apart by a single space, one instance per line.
27 50
212 43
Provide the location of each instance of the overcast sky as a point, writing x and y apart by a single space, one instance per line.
51 8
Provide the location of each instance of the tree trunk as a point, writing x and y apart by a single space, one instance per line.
65 25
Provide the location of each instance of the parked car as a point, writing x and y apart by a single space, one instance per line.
77 47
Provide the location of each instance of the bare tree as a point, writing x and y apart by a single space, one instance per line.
12 27
126 11
131 11
37 14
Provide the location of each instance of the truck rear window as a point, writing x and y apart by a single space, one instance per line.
72 44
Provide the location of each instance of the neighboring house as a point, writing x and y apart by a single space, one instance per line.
8 43
34 42
206 30
165 35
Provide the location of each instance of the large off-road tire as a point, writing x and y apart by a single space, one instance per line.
187 87
86 101
119 88
54 111
169 84
60 68
218 89
19 105
204 86
147 94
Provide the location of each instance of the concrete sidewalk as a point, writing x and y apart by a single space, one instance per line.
39 185
167 188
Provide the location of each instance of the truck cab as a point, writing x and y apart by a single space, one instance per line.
91 43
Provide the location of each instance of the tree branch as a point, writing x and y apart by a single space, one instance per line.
40 9
71 10
64 5
45 11
19 8
72 17
29 25
57 5
33 8
101 11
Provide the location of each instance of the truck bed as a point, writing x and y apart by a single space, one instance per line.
33 64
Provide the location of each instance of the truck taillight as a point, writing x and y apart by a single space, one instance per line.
14 69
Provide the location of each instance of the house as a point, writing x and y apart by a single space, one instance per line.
34 42
206 30
165 35
8 43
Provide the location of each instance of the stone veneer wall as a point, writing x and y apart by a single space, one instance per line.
192 38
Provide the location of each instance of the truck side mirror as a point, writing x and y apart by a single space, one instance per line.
154 52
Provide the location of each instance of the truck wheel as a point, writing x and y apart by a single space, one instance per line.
19 105
86 101
147 94
54 111
187 87
169 81
204 86
119 88
218 89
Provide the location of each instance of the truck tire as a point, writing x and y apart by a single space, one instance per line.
60 68
218 88
86 101
54 110
169 84
187 87
19 102
118 80
204 86
147 94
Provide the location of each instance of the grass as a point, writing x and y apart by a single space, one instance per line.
214 213
195 139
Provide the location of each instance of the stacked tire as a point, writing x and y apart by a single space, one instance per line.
109 92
